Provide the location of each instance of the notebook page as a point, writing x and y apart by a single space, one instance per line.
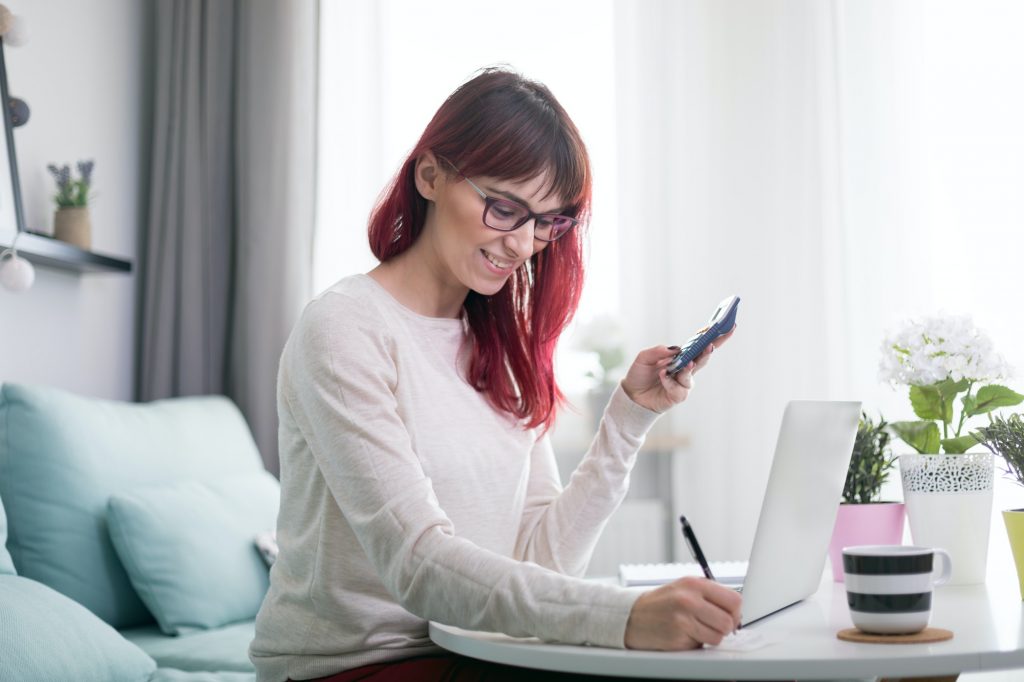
639 575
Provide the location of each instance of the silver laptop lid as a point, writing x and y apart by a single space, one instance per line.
800 505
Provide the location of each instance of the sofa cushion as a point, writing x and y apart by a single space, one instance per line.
45 636
172 675
6 563
188 548
61 458
225 648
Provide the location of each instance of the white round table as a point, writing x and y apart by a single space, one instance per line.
986 621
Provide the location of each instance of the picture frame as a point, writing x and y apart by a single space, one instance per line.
12 215
36 247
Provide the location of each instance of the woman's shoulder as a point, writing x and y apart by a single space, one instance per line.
342 329
358 311
350 307
356 297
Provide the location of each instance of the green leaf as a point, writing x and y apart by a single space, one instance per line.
992 398
958 446
927 403
935 401
610 358
922 436
949 388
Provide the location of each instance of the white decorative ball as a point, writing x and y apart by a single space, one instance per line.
5 19
17 34
16 274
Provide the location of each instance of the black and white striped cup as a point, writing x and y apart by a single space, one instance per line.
889 587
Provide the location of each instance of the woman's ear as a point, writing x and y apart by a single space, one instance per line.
429 176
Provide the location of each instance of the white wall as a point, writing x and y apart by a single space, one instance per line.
85 74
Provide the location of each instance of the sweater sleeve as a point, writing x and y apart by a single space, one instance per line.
341 379
560 528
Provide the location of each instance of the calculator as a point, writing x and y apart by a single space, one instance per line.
721 322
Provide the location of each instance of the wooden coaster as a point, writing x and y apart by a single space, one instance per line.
923 637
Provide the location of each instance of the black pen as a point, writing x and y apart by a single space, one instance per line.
698 555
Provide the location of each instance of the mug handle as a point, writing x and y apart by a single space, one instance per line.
947 567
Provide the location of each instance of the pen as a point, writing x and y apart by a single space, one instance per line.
691 542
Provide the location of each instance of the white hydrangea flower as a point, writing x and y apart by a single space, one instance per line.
602 333
603 338
931 349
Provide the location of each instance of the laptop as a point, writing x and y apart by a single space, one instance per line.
799 510
800 505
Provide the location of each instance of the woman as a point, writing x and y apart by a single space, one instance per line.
417 482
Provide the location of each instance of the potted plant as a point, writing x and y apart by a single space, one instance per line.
948 365
862 518
1005 438
602 338
71 219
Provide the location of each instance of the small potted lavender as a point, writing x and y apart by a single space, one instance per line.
71 219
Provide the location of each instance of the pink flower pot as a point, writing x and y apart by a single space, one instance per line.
877 523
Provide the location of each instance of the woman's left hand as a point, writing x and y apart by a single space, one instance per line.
648 384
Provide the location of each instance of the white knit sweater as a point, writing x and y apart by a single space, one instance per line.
405 497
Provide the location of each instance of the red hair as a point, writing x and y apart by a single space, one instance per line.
502 125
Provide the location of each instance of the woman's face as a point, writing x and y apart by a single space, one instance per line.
468 251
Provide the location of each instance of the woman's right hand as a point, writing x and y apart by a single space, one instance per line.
684 614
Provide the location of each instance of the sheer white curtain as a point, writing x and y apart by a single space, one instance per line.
839 165
729 176
934 132
386 66
933 125
712 131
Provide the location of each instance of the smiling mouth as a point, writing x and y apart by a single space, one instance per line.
500 264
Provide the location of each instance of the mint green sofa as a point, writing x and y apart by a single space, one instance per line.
126 538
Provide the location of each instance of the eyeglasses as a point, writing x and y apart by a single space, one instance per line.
507 215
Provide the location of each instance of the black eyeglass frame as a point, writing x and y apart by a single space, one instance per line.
490 201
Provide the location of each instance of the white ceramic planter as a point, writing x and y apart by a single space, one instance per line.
949 505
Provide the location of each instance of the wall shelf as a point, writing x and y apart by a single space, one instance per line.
41 249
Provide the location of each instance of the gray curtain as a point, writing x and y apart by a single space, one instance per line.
227 251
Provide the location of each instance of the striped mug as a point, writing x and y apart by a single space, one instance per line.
889 587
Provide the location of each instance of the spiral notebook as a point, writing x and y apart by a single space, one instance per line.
729 573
